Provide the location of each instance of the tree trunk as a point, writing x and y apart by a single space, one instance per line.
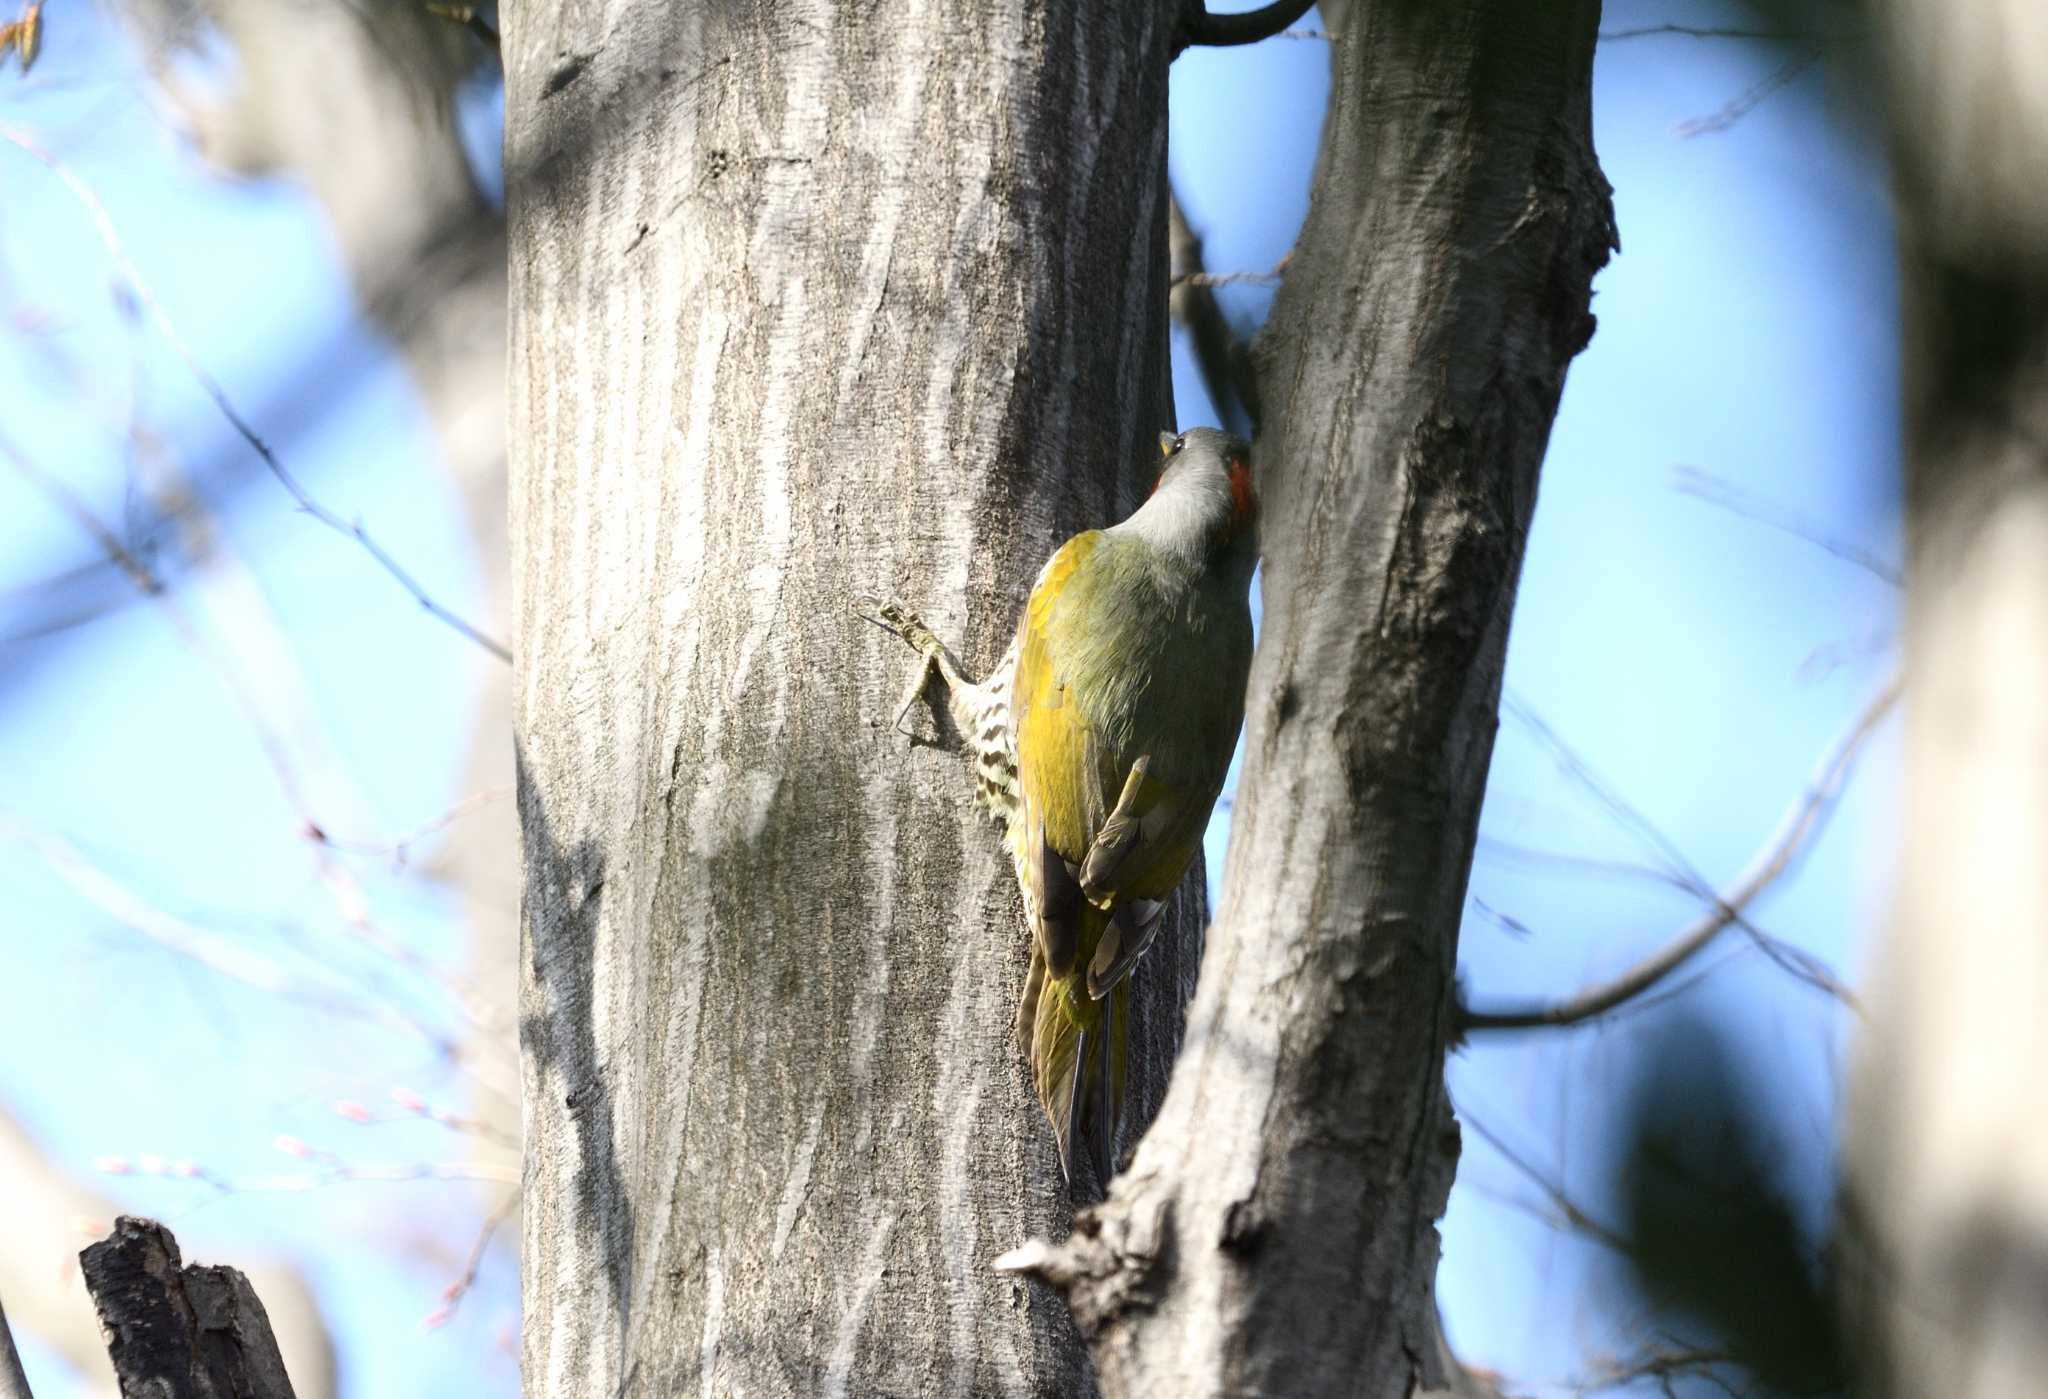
179 1331
1276 1231
1947 1148
806 302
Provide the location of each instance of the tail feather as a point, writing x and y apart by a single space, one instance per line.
1079 1062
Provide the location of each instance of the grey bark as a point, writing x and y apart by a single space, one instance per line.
178 1332
13 1382
1276 1232
807 302
1946 1149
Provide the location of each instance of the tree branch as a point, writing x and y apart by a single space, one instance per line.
1800 825
1204 30
177 1330
110 237
1274 1230
1224 360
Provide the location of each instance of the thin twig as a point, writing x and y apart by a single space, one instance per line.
1802 823
1227 279
1573 1215
398 847
200 945
104 224
451 1297
1696 31
1203 29
1662 1366
1224 362
349 899
1751 98
1704 485
1681 872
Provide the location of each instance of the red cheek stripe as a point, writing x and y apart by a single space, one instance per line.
1241 503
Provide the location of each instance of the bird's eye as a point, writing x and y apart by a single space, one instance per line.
1180 442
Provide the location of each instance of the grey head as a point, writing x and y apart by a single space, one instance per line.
1203 508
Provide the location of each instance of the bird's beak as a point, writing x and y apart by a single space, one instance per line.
1165 444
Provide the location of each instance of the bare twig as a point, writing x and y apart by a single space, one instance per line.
1751 98
1228 279
204 947
451 1297
398 847
1203 29
1697 31
1706 486
1222 358
349 899
354 529
1569 1209
1801 824
1662 1366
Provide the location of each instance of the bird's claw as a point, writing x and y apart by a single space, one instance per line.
898 620
891 617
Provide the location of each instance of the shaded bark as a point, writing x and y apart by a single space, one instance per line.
1276 1232
1946 1247
13 1382
178 1332
807 302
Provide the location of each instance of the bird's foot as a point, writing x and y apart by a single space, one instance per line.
898 620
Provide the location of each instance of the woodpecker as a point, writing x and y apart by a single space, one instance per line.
1100 743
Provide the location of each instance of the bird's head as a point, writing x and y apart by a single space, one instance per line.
1204 493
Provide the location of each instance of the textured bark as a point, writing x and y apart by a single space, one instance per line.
807 301
1276 1231
1946 1251
13 1382
177 1332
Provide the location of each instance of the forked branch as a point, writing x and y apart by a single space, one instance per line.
1801 824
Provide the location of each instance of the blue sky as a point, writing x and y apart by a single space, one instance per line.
1699 661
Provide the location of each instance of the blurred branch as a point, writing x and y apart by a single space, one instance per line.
1679 871
1202 29
209 949
1698 31
111 239
1664 1366
452 1295
13 1381
1801 824
1223 359
349 899
1228 279
1569 1209
399 847
1712 489
177 1330
1752 97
